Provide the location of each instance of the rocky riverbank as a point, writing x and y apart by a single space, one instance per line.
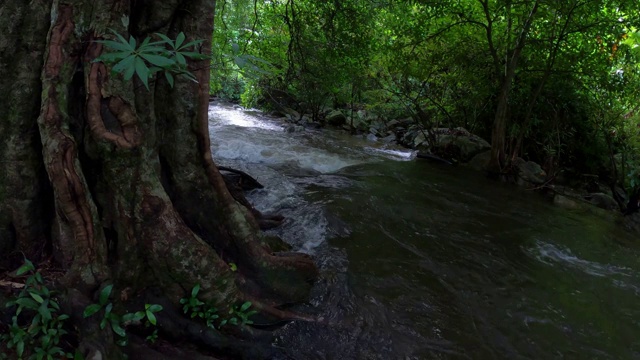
460 146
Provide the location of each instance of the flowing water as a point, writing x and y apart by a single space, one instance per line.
424 261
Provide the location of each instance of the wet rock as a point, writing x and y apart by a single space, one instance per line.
468 145
393 124
372 137
632 222
529 172
567 203
294 128
602 201
480 161
458 142
389 139
336 118
291 114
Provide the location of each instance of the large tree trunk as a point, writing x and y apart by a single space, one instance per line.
130 195
498 132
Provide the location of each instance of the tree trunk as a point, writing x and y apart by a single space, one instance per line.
498 132
115 180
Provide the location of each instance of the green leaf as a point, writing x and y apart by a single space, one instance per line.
180 59
44 311
153 49
124 64
180 40
113 56
27 266
190 76
118 329
152 318
143 72
115 45
240 61
20 348
107 310
145 42
128 73
194 55
36 297
170 81
132 42
245 306
137 316
158 60
192 43
153 307
120 37
27 303
195 290
91 309
166 39
104 294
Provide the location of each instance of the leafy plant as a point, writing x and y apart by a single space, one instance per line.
41 338
149 57
239 315
117 322
197 308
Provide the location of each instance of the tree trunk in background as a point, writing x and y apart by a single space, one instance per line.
115 181
498 133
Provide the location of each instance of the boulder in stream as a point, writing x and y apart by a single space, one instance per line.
480 161
336 118
457 141
529 172
603 201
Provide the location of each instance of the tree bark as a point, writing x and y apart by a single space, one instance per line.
118 182
498 132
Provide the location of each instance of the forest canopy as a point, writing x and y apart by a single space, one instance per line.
550 81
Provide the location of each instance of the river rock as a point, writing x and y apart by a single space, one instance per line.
391 138
336 118
453 140
294 128
468 145
603 201
567 203
291 114
632 222
529 172
480 161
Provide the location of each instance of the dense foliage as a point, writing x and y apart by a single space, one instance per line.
551 81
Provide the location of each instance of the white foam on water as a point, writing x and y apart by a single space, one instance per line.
259 146
394 154
236 116
553 254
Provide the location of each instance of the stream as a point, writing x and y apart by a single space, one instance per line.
428 261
